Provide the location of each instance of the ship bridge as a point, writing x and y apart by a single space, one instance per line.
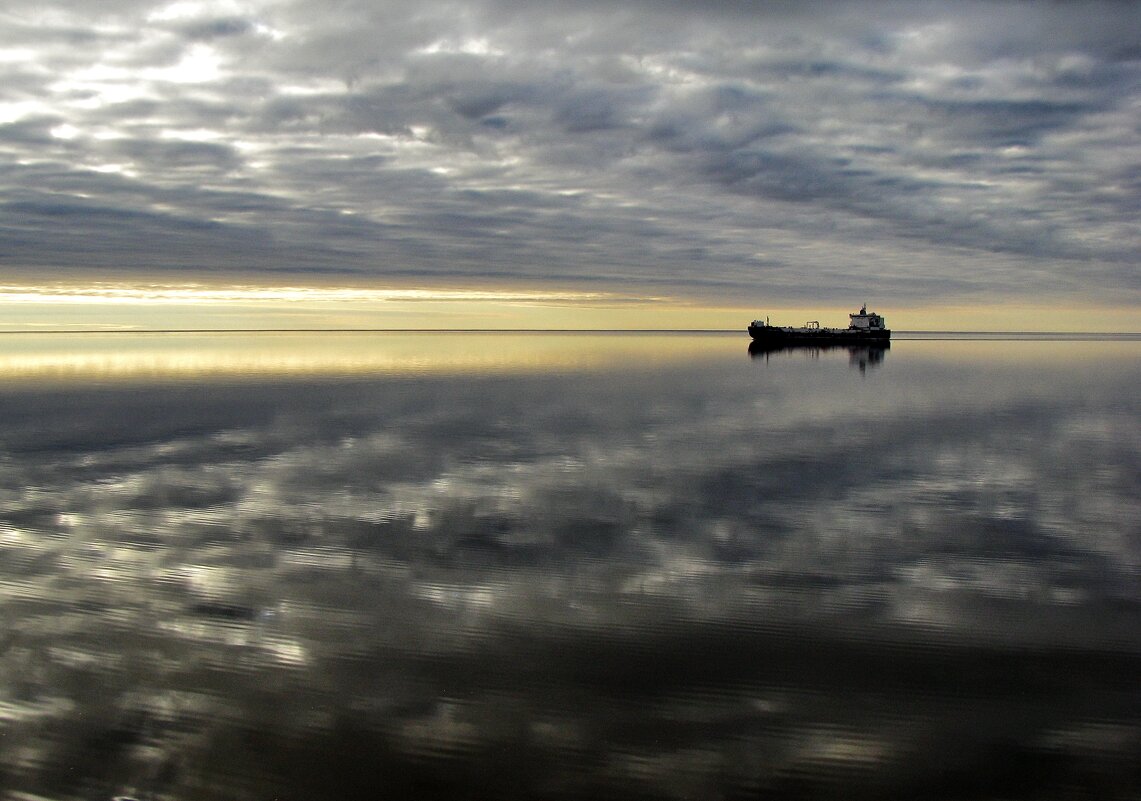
865 321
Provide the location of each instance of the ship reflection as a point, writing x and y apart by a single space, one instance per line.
862 356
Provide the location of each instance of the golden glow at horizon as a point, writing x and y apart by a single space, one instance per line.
119 357
122 306
127 305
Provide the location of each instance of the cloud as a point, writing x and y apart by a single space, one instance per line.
974 150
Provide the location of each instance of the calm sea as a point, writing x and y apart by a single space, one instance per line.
551 566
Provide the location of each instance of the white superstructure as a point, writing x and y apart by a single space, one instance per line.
867 322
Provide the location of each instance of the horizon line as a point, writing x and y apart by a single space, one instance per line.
903 333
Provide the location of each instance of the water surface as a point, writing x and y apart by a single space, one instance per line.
367 565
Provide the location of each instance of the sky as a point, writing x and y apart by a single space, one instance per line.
495 163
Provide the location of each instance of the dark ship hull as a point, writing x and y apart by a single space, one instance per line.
783 335
766 346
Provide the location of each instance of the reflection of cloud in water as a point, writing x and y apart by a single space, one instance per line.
709 578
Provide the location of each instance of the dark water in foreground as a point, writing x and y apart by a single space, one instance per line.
560 567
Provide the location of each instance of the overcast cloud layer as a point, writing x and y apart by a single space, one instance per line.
948 151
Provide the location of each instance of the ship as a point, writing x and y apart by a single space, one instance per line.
864 328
